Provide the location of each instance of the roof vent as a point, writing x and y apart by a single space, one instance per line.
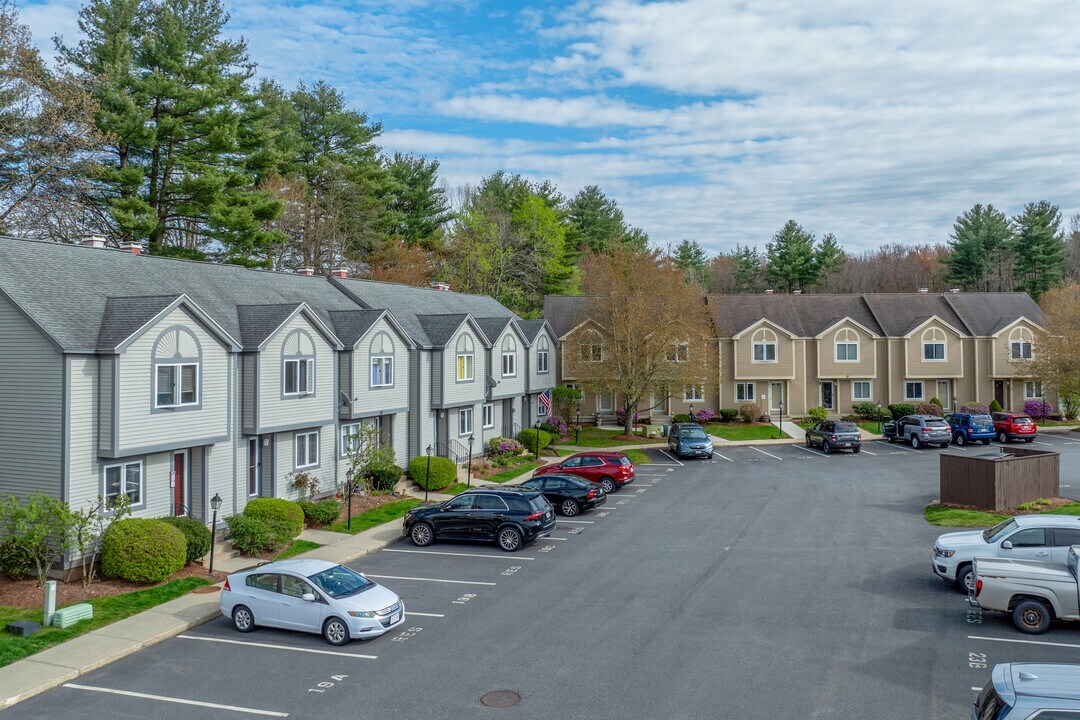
796 292
309 271
923 291
94 241
768 292
439 285
340 273
954 290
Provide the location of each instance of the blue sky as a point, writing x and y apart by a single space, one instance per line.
706 119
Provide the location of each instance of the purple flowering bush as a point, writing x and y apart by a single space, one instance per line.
704 415
975 408
504 446
1038 408
620 416
556 426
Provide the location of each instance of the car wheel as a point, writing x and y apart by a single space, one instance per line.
965 578
242 619
1002 437
422 535
891 438
809 442
1029 439
986 441
915 441
943 445
826 447
710 456
509 539
1032 617
569 507
961 439
608 484
856 449
335 631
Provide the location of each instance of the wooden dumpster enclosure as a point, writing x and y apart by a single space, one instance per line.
997 480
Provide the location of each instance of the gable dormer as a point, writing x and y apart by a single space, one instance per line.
933 348
1015 344
764 349
847 349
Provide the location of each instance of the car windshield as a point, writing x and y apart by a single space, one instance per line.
340 581
937 423
992 535
692 433
846 427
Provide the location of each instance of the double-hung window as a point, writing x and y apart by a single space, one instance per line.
509 364
122 479
764 352
1020 350
933 351
465 421
679 352
847 351
744 392
913 390
382 371
349 442
489 415
860 390
307 450
1033 390
694 393
464 355
542 356
300 376
177 385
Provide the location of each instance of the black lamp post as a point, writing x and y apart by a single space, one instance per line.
879 417
427 480
348 495
537 427
577 428
781 418
215 505
469 483
691 412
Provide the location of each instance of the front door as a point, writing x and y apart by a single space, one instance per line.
253 467
508 418
776 396
943 393
999 393
827 400
179 483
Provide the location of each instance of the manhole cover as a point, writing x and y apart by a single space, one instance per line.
205 589
500 698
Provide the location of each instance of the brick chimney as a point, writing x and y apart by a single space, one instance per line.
438 285
132 247
340 273
769 292
309 271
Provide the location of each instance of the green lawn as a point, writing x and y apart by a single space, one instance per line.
1058 423
742 431
638 457
593 437
512 472
376 516
297 547
869 426
953 517
106 610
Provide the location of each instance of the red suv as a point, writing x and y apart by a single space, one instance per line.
1014 426
611 470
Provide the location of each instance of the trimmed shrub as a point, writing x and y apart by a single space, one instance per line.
899 410
994 406
323 512
749 412
15 560
975 408
682 417
866 410
929 408
279 509
527 437
443 472
195 533
141 550
817 414
556 426
1038 409
729 414
254 536
503 446
384 477
935 401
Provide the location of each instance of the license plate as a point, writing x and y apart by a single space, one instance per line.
847 444
395 617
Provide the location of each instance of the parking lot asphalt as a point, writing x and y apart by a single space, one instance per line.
771 582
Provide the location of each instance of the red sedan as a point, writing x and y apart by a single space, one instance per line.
610 470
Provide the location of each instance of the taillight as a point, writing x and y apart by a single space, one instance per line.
970 429
592 494
833 438
227 585
978 587
534 516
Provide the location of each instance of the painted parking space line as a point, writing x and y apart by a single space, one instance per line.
1040 442
868 452
435 580
272 646
767 453
552 538
578 522
455 554
812 451
731 461
677 461
894 445
1023 642
177 701
411 613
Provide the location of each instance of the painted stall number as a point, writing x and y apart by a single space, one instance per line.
406 634
622 502
641 490
546 548
976 660
601 514
974 617
327 684
574 531
511 570
464 598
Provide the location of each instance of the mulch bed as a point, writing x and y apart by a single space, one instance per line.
1053 505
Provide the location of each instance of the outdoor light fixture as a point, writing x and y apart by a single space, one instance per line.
879 417
427 480
215 505
537 438
469 483
349 493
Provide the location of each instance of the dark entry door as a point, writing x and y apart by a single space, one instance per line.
178 484
827 396
999 393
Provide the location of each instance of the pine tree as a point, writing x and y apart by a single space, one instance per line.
691 257
792 264
748 268
1039 248
979 248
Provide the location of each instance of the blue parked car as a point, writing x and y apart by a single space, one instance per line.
967 427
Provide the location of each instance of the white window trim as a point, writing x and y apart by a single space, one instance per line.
489 415
385 363
593 353
836 352
697 396
745 385
178 384
944 351
681 353
511 356
764 353
609 408
1032 384
870 390
310 389
123 479
542 361
922 391
347 431
1019 344
465 428
296 450
469 367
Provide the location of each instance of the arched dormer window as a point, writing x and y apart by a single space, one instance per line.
933 345
1020 343
465 357
542 354
382 360
177 365
298 364
509 357
846 341
764 341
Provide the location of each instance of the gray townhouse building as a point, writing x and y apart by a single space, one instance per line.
172 380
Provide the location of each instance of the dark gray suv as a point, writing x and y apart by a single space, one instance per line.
1030 691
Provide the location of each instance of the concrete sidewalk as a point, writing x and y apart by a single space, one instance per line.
68 660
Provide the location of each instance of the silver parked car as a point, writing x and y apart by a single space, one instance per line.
312 596
919 430
1030 691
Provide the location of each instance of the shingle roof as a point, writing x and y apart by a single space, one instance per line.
350 325
438 329
258 322
531 328
900 313
988 313
801 315
492 327
123 316
564 312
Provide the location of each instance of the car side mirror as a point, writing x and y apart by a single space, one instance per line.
1006 544
308 597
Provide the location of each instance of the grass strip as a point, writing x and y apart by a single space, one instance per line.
638 457
297 547
742 431
375 516
957 517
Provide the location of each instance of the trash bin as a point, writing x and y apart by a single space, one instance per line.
664 429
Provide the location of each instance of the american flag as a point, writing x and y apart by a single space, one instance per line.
545 400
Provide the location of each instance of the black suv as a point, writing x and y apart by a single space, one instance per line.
509 516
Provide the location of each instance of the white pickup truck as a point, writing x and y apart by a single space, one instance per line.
1034 592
